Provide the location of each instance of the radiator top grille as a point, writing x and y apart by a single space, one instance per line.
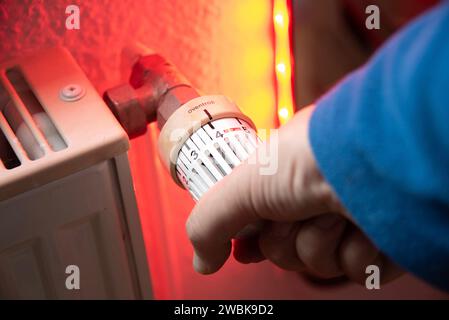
52 122
27 132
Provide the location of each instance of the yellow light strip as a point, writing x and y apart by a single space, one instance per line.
281 20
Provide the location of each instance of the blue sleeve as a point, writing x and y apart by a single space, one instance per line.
381 139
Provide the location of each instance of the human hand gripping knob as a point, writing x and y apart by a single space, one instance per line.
305 227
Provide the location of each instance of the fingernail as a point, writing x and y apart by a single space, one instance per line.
199 265
327 221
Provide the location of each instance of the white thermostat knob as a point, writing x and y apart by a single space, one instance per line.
204 140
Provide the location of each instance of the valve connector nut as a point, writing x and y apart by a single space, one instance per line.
125 105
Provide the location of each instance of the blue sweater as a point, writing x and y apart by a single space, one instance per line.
381 139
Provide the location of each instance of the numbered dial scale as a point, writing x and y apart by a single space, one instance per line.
207 152
212 152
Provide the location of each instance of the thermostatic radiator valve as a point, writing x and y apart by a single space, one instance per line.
202 137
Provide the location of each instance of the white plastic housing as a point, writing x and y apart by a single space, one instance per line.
212 152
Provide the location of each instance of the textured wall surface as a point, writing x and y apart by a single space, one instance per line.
221 46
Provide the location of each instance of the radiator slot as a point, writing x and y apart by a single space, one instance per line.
18 126
34 107
7 154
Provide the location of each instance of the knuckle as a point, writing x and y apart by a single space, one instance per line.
307 247
355 254
276 249
271 252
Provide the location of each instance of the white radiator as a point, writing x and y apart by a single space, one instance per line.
69 225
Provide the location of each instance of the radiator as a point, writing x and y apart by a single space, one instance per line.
69 224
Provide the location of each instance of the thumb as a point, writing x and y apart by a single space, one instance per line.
220 214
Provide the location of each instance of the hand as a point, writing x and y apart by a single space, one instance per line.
305 227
